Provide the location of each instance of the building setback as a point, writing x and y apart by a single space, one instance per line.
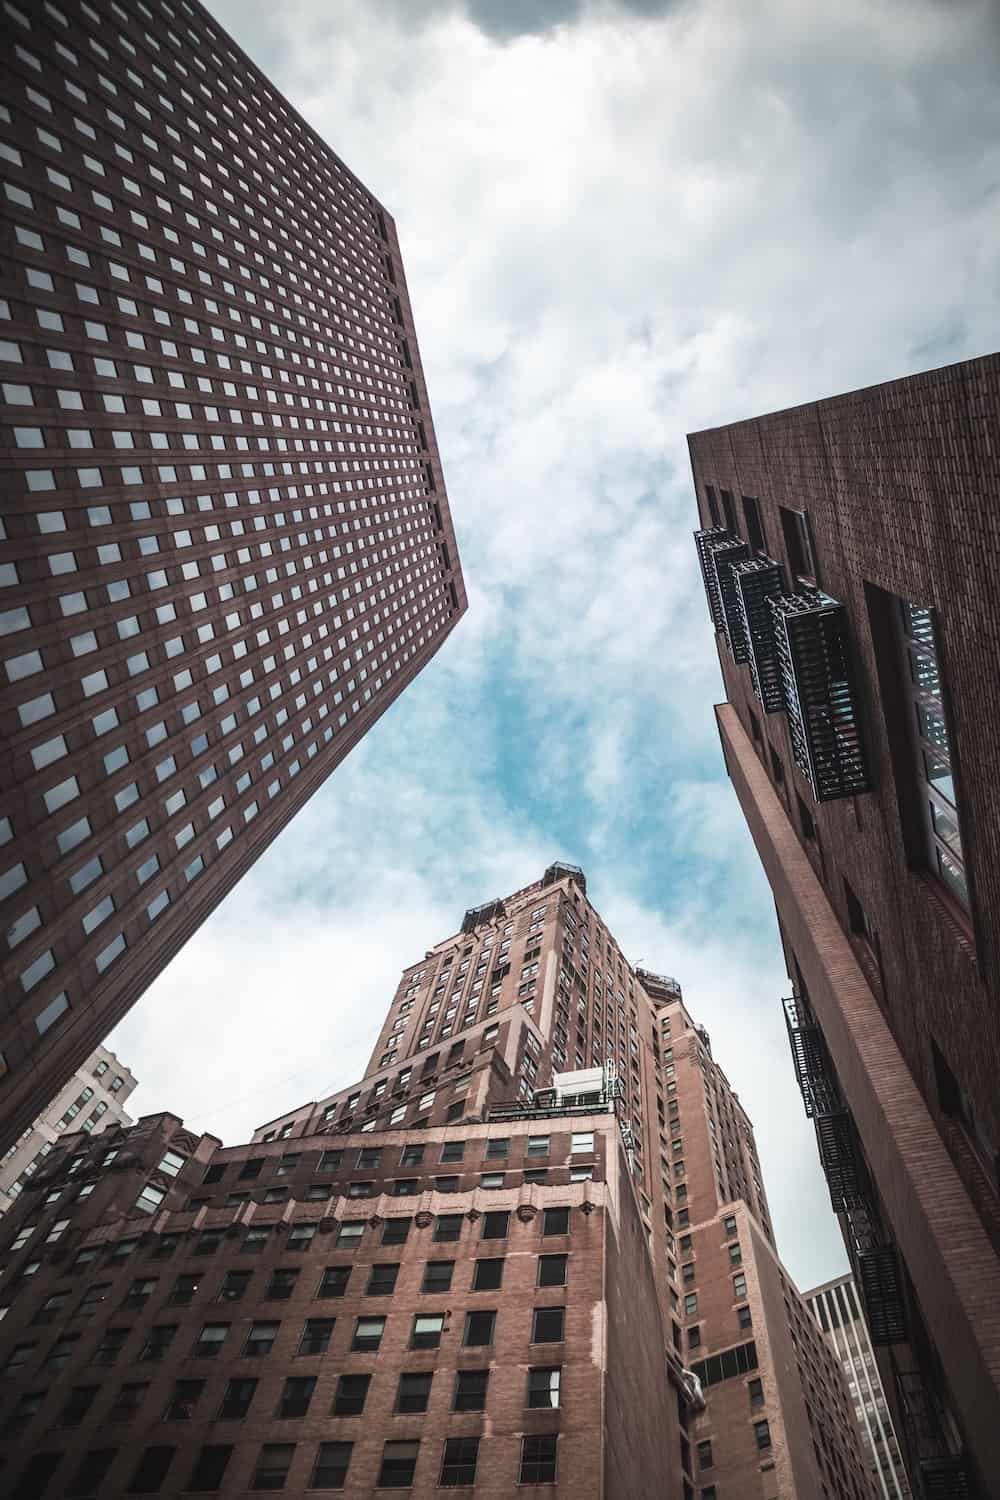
837 1310
461 1271
850 551
94 1097
226 544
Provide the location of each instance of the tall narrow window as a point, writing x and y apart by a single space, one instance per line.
932 747
729 511
798 545
755 530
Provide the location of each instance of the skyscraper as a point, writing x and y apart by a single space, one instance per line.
93 1098
461 1271
837 1310
850 552
226 543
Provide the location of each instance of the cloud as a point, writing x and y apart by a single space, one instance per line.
618 228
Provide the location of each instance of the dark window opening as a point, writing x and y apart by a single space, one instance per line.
798 545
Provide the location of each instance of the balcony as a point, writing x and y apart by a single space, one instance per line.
820 693
809 1057
838 1151
705 542
757 581
943 1473
560 869
877 1274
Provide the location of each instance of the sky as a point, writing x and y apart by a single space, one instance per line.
621 221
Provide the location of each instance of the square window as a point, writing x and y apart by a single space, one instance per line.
552 1270
334 1281
413 1391
368 1334
437 1275
382 1280
316 1335
399 1461
331 1466
487 1274
470 1390
479 1328
448 1227
273 1464
350 1395
427 1330
543 1386
495 1224
547 1325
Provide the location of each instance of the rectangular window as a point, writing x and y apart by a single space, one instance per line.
453 1151
437 1275
930 737
273 1464
330 1469
487 1274
582 1141
368 1334
427 1330
316 1335
458 1463
382 1280
740 1285
260 1339
449 1227
479 1328
296 1395
762 1434
279 1288
798 545
543 1385
151 1470
210 1467
413 1391
334 1282
184 1399
399 1461
210 1340
538 1458
552 1270
470 1390
350 1395
547 1325
755 529
495 1224
555 1221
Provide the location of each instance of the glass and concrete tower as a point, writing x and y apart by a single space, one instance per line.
226 546
529 1249
849 552
837 1310
92 1099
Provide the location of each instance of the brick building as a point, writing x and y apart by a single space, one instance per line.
92 1099
226 544
837 1309
850 551
461 1272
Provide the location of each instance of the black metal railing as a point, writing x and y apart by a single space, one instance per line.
757 581
725 555
812 1070
820 693
705 541
943 1473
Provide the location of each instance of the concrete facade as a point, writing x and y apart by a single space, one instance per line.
837 1309
882 849
91 1100
226 546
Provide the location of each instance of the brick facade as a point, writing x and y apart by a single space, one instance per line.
534 1141
894 966
226 545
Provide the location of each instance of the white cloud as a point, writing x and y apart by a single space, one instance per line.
615 232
